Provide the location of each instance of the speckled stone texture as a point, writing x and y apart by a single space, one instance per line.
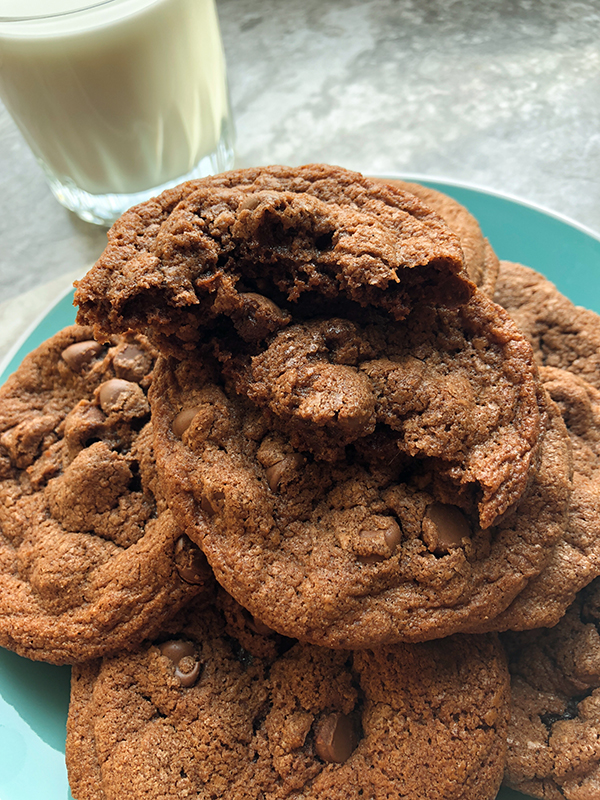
502 95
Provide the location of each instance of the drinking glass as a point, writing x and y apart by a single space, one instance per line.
118 99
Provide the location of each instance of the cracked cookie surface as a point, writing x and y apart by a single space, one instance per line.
195 258
553 737
456 386
481 262
575 559
384 541
562 334
195 713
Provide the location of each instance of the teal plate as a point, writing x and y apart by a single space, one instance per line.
34 697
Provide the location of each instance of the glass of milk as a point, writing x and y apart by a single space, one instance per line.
118 99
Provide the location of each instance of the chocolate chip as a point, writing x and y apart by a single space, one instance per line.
79 355
379 542
188 671
256 625
209 505
176 649
276 472
190 562
132 363
183 420
444 527
336 737
83 426
250 202
183 656
259 316
254 199
392 534
111 391
258 303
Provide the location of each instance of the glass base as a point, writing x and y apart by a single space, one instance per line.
104 209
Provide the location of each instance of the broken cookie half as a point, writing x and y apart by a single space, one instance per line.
252 249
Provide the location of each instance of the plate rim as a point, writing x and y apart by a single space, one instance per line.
501 195
22 338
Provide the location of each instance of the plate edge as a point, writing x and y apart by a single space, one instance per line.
418 178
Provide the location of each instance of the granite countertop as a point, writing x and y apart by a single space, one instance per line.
501 95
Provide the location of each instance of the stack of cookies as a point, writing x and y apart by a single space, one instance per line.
308 451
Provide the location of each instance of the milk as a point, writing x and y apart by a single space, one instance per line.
119 98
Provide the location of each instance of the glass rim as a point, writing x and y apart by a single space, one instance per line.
83 6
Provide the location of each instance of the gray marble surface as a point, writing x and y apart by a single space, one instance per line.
503 94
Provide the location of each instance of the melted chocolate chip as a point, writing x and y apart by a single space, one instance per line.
336 737
188 671
392 534
132 363
183 656
190 562
111 391
380 541
278 471
176 649
79 355
183 421
444 527
256 625
251 201
209 505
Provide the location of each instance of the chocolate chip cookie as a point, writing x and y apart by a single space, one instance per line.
194 714
575 560
481 262
251 248
379 520
437 382
554 733
562 335
91 559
